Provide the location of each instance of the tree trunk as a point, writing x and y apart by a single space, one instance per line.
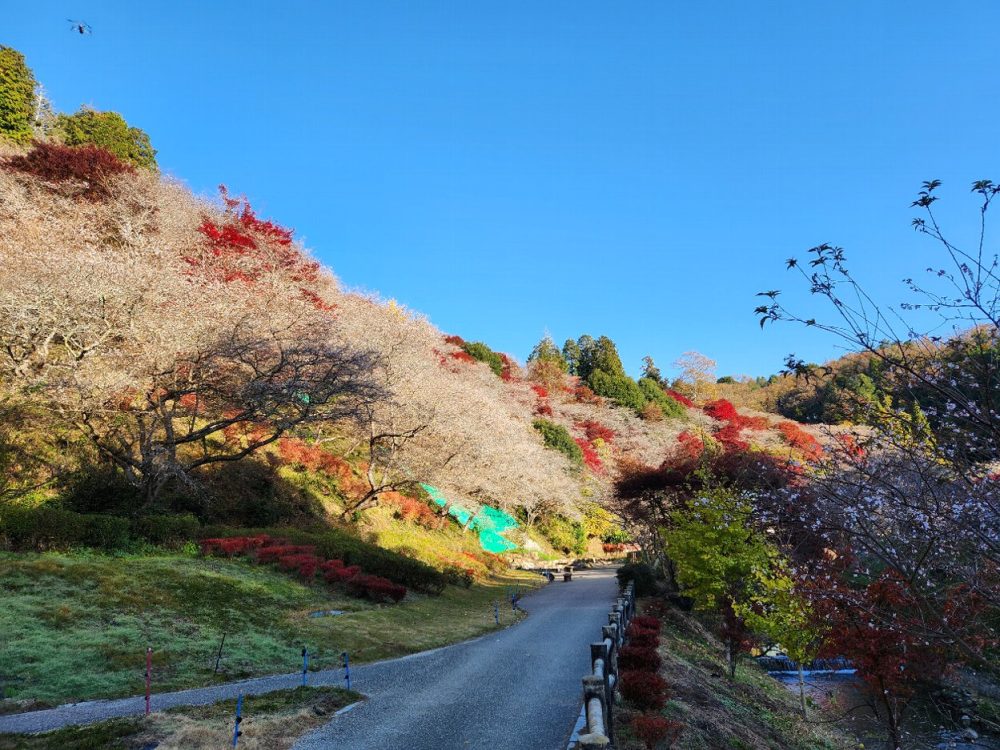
802 690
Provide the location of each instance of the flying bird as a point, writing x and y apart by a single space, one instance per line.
80 27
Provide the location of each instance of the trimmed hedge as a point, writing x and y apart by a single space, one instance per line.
619 388
654 393
43 528
558 438
337 544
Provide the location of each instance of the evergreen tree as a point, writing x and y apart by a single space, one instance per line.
547 351
571 353
650 370
17 97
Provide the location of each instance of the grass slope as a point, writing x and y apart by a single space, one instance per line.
753 712
271 722
76 625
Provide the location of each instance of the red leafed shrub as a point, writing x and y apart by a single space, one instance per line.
691 446
644 639
680 398
410 509
540 390
596 431
730 438
850 445
463 357
647 622
341 574
454 340
305 564
590 457
751 423
376 588
653 730
637 658
313 458
721 409
506 369
53 162
644 690
610 549
328 565
231 546
543 409
272 553
799 439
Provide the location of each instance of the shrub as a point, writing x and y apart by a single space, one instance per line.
651 412
721 409
376 588
558 438
540 390
54 528
801 440
596 431
341 574
590 458
543 409
336 544
644 639
644 690
480 351
109 131
166 529
653 730
680 398
454 340
459 576
655 394
647 622
105 532
93 167
276 552
641 574
639 658
619 388
585 395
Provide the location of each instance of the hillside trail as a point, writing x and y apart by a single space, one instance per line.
518 688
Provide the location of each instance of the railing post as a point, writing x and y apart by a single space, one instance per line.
596 736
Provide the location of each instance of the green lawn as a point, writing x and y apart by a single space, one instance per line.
76 625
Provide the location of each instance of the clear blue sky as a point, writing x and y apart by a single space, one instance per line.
632 169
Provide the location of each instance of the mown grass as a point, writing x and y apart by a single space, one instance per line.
272 721
752 712
76 626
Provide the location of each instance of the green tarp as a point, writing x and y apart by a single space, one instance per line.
489 522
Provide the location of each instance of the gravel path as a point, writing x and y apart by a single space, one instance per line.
516 688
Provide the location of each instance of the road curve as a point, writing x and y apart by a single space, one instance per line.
516 689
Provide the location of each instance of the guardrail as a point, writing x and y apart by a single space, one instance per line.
599 685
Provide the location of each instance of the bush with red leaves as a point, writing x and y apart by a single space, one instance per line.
801 440
691 446
721 409
653 730
638 658
644 639
644 690
92 166
341 574
543 409
540 390
231 546
454 340
680 398
376 588
273 553
409 509
596 431
506 369
305 564
647 622
585 395
463 357
590 457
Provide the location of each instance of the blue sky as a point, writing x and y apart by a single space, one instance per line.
632 169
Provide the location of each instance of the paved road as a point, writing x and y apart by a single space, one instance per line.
518 688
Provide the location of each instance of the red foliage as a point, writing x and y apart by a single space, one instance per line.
729 436
644 639
590 458
721 409
341 574
680 398
653 730
305 564
91 165
376 588
801 440
454 340
313 458
274 553
647 622
328 565
540 390
231 546
638 658
410 509
463 357
507 370
850 445
543 409
596 431
644 690
691 446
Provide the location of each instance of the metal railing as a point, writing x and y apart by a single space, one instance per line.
599 685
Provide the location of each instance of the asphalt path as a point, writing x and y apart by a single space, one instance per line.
517 688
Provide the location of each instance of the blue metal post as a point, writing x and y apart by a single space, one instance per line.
496 611
347 670
239 720
305 665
